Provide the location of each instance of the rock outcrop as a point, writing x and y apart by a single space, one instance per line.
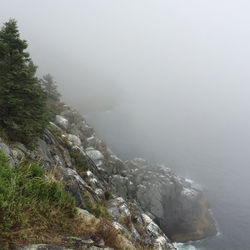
179 210
144 201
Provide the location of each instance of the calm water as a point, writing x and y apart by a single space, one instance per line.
212 156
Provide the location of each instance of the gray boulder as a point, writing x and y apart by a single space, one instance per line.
175 205
62 122
95 155
74 140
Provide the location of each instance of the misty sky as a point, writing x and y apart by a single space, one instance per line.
184 52
186 62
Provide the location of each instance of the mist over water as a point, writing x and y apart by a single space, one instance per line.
175 77
220 169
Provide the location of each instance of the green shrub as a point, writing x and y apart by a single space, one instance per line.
23 112
56 132
29 200
96 208
108 195
80 165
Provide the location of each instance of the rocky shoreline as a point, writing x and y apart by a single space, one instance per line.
146 202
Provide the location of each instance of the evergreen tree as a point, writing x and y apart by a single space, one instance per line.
50 87
54 106
23 114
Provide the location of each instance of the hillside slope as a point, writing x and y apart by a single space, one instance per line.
146 205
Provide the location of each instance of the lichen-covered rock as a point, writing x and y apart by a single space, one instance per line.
95 155
137 226
62 122
85 214
17 156
74 140
176 207
119 185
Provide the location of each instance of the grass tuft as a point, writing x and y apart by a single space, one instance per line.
29 204
97 208
78 162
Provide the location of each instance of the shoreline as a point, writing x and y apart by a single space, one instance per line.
206 226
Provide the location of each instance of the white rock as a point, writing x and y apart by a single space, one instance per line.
95 155
73 173
75 140
146 219
124 210
62 122
99 192
89 173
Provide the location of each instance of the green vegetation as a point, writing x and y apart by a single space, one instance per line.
23 113
79 164
50 87
108 195
97 208
55 131
31 204
34 207
54 106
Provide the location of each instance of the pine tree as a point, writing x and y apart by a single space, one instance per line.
23 114
50 87
54 106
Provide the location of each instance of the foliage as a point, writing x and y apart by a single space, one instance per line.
22 100
108 195
50 87
28 200
57 132
97 208
54 106
80 165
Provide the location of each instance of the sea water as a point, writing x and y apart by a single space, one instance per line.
217 163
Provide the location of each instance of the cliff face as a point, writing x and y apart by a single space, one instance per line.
147 202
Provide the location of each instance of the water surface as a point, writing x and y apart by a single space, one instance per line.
215 156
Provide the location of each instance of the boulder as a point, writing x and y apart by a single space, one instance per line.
85 214
62 122
74 140
95 155
176 206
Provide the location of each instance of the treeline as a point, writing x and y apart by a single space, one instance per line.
27 103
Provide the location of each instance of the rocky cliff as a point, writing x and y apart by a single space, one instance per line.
146 202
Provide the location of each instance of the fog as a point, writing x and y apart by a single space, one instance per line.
176 71
192 54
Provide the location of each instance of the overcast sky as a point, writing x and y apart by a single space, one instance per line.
196 49
186 63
